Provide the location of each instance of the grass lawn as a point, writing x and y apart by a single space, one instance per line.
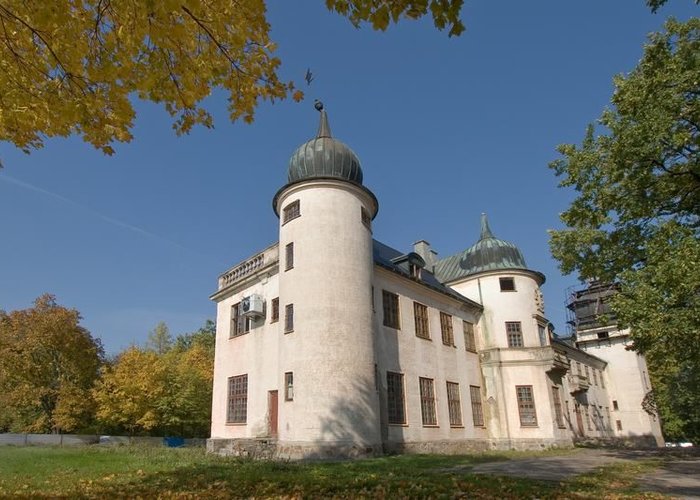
99 472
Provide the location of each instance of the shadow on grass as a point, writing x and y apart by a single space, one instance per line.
387 477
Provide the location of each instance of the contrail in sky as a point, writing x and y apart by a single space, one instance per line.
110 220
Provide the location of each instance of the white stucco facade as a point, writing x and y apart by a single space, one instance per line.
330 343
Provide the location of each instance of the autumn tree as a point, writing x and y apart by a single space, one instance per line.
71 67
128 390
163 389
636 218
48 365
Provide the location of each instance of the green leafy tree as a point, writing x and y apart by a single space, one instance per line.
48 365
636 218
159 339
71 67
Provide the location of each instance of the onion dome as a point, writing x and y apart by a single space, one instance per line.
324 157
490 253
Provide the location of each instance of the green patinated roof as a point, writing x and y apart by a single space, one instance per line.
324 157
487 254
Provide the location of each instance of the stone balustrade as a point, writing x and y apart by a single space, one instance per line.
250 266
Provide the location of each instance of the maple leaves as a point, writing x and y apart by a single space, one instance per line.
72 66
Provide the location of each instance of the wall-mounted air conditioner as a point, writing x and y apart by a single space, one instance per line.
253 305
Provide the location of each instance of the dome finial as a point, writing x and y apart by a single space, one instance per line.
485 229
324 130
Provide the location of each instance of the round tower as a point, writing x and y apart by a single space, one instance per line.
493 272
325 297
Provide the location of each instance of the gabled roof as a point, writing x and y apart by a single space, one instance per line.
397 262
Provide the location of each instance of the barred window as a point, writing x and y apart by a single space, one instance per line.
275 315
469 337
477 409
289 317
427 401
526 405
454 405
556 398
289 257
420 314
515 334
289 386
237 399
240 324
390 303
291 211
396 413
448 337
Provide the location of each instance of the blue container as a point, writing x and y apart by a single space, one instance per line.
174 442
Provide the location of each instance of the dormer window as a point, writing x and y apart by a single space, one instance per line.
507 284
414 270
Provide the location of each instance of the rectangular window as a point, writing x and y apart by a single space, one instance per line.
608 425
542 332
602 380
275 315
587 416
515 334
526 406
289 257
396 413
507 284
618 424
588 373
448 337
427 401
291 211
477 409
595 377
556 398
289 318
454 405
469 337
366 219
289 386
420 313
615 406
237 400
390 303
240 324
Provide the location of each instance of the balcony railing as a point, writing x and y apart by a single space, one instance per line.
249 267
578 383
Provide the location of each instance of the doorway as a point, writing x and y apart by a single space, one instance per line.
273 412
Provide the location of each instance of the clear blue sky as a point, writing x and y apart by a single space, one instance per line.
445 129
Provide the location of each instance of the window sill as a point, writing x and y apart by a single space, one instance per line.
431 426
231 337
289 331
456 427
529 426
424 338
236 424
398 425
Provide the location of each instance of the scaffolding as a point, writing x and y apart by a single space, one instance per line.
588 306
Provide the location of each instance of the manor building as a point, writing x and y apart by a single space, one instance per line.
332 344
